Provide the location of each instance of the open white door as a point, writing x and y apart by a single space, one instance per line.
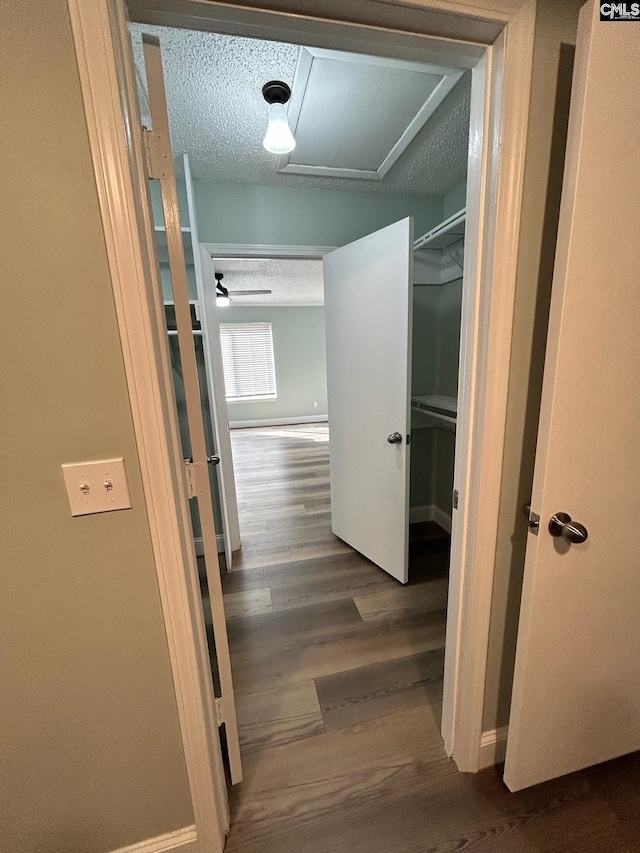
576 693
368 306
197 474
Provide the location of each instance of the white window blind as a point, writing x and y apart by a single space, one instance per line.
247 358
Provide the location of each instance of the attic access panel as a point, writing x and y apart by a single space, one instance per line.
354 115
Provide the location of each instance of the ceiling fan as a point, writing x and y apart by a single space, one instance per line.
222 292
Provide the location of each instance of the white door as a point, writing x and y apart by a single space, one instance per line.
162 169
368 307
206 284
576 693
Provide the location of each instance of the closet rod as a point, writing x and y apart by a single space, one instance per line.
436 284
435 415
174 332
441 229
439 248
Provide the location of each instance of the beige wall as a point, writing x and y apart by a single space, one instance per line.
555 24
91 755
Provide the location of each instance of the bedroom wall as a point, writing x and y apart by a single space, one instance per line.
455 199
234 213
300 361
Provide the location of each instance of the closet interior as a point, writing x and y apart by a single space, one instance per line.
438 258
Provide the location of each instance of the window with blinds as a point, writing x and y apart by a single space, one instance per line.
247 359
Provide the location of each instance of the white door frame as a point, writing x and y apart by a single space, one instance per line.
257 250
494 202
217 401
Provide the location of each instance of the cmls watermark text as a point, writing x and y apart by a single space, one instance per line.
620 11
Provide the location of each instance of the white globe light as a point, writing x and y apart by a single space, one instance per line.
222 301
278 138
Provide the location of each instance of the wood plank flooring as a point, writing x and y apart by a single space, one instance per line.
338 677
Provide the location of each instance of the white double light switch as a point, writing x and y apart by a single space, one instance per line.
96 486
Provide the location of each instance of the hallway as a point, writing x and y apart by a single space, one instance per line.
338 679
323 642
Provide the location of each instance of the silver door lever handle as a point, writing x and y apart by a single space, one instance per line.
562 525
395 438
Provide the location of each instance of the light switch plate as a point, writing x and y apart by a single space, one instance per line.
96 486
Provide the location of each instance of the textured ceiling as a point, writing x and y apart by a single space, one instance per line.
218 116
292 282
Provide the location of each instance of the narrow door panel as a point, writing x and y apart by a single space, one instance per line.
576 693
198 473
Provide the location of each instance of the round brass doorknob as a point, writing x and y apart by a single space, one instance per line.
562 525
395 438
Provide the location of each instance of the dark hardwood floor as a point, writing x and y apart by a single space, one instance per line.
338 678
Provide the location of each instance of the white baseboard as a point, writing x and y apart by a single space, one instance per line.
200 545
430 512
421 513
303 419
442 518
493 746
181 840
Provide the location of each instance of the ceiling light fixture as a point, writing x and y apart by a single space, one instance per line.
222 294
278 138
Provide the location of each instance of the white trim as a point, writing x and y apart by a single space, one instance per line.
258 250
494 204
264 422
430 512
180 840
306 57
331 172
418 514
225 476
442 518
199 544
100 34
209 322
380 61
265 303
493 747
421 26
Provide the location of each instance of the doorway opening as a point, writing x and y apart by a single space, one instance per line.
382 643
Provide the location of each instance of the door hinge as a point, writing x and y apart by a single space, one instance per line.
154 154
454 500
190 478
220 706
